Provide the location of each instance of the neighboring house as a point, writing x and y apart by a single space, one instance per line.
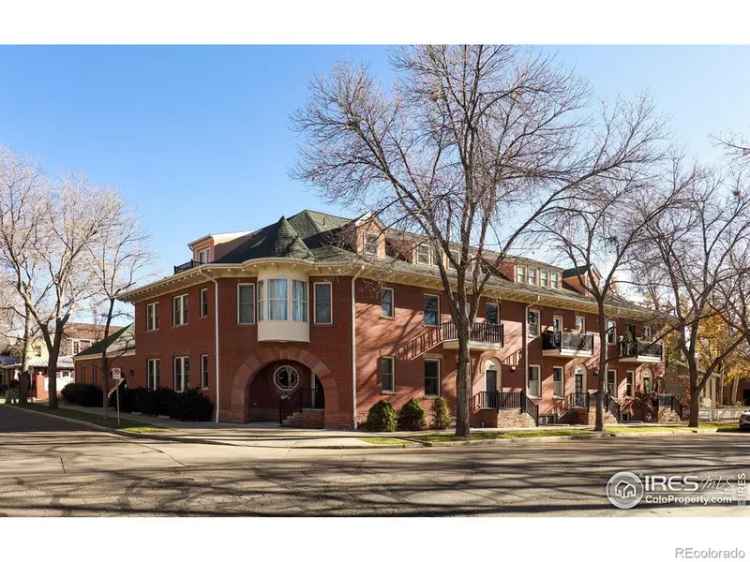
120 346
77 335
314 319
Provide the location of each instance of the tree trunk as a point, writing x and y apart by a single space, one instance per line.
104 363
603 353
54 352
463 382
694 405
25 353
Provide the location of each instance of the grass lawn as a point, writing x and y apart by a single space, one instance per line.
111 422
385 441
519 434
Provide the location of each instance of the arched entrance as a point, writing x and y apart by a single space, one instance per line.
306 363
492 381
282 390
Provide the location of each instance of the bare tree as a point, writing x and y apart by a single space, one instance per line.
688 266
469 148
117 258
45 231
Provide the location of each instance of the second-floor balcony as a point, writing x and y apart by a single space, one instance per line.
639 351
482 335
567 344
190 264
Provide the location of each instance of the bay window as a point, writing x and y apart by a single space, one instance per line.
277 299
299 301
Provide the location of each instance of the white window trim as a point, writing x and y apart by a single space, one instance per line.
255 304
149 362
614 384
439 316
562 322
439 376
562 381
152 306
183 319
430 259
536 276
497 305
179 359
393 375
629 376
203 300
204 373
614 332
393 304
539 380
583 325
554 280
647 332
538 324
315 304
519 269
368 236
544 274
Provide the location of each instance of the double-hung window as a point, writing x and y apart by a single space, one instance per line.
611 382
181 373
555 280
532 385
299 301
611 332
629 376
492 313
152 316
581 324
432 377
543 278
532 276
431 310
387 375
180 310
245 303
557 379
520 274
323 301
204 370
152 374
423 254
371 244
204 302
386 302
277 299
533 323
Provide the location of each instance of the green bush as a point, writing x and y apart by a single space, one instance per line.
164 398
145 401
441 417
126 400
381 417
411 416
190 405
83 394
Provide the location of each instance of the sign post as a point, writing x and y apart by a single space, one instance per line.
117 377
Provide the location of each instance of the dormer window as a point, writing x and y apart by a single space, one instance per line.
555 280
424 255
647 332
202 256
532 276
520 274
371 244
543 278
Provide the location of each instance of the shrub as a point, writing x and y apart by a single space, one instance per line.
191 405
381 417
441 417
126 400
3 389
145 401
164 398
411 416
82 394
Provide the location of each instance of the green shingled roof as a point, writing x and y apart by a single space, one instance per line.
127 334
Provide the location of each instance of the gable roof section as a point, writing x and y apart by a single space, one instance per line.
123 337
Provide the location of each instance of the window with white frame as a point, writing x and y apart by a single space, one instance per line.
180 310
76 347
557 380
181 373
432 377
612 382
533 323
424 254
629 376
323 303
261 301
431 310
647 332
386 302
371 244
277 299
204 302
647 381
611 332
203 256
533 272
520 274
152 316
543 278
557 324
204 370
580 324
555 280
245 303
387 374
299 301
152 374
532 384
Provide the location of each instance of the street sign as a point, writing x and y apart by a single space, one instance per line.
116 373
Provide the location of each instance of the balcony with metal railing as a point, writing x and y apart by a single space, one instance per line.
567 344
482 335
190 264
639 351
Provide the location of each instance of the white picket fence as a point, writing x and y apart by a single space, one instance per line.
722 413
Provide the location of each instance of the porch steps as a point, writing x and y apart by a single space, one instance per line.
306 418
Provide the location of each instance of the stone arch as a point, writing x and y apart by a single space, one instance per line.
255 361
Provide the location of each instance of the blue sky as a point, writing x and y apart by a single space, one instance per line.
199 140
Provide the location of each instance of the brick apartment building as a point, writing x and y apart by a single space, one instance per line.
315 318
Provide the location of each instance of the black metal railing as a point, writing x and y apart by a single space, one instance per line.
568 341
185 266
530 407
638 348
577 400
479 331
447 331
301 399
498 400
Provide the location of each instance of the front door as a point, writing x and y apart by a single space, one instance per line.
579 389
490 378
